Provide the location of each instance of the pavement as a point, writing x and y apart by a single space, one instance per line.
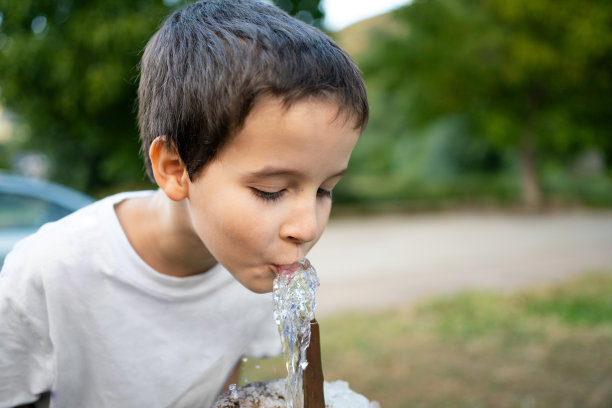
387 261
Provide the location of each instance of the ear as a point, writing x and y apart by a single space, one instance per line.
169 170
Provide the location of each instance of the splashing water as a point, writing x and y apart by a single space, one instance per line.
294 304
233 392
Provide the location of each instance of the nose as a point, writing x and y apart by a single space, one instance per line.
301 223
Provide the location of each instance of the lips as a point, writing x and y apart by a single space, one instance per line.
287 269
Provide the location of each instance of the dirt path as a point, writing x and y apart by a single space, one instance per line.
384 261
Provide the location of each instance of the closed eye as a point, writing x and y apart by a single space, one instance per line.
324 193
269 196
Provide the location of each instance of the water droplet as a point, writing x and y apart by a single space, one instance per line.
244 359
233 391
257 367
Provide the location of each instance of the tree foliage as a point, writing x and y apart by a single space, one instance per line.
68 70
308 11
530 74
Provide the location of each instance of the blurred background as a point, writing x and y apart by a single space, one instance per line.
473 102
468 262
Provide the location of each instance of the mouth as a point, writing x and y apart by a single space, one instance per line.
286 269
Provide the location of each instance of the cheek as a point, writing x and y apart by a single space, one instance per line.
322 219
238 221
253 228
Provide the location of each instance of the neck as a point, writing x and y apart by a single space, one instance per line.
160 231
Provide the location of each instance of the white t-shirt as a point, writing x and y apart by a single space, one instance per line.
84 317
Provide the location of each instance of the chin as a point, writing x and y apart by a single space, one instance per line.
259 287
256 280
260 290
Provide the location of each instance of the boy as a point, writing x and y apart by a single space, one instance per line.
248 118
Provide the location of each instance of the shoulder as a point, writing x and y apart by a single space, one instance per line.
78 238
56 239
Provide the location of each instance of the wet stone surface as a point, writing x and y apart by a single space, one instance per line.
255 395
271 394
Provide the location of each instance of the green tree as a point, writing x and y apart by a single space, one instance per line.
308 11
533 75
68 70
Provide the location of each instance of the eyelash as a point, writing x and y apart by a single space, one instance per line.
268 196
276 195
324 193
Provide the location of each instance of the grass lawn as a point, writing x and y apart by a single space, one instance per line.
547 347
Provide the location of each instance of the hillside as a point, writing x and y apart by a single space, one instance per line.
358 37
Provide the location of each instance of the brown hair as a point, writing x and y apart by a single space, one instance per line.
208 64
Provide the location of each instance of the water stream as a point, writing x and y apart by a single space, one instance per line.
294 304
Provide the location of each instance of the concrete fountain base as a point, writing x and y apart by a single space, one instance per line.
271 394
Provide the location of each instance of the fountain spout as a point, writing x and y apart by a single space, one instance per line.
312 382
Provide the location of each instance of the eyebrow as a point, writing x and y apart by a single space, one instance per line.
270 171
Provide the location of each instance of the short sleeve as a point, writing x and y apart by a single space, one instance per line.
25 348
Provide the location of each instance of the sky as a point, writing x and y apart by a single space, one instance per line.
342 13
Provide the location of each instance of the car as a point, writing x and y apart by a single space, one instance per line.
27 203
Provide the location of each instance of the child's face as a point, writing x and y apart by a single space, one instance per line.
264 201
